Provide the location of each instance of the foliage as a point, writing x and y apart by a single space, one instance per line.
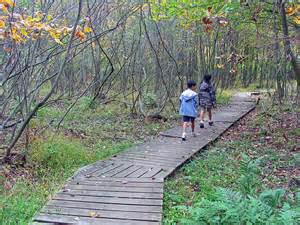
58 154
231 207
19 204
150 100
250 174
21 28
224 96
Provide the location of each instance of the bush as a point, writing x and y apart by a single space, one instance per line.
58 154
150 100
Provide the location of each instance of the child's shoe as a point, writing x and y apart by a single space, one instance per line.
211 123
183 137
201 124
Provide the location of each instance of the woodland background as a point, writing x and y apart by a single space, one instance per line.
84 79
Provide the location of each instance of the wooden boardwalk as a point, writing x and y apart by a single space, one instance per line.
128 188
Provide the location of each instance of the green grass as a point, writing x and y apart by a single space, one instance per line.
223 97
220 166
196 192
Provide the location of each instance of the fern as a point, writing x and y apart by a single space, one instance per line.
232 207
274 198
229 207
250 171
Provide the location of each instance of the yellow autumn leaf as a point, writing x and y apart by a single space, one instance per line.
2 24
93 214
290 10
220 66
7 2
24 32
87 29
4 8
38 26
58 41
17 38
297 20
54 35
49 17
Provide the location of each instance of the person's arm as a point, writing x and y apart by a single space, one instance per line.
180 101
196 102
212 93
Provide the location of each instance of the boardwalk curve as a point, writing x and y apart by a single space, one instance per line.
128 188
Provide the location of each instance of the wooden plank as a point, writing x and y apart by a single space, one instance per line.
95 167
146 163
150 159
139 173
102 213
95 182
117 170
40 223
114 194
102 206
106 169
121 201
155 155
158 157
152 173
88 221
163 174
127 172
128 179
120 189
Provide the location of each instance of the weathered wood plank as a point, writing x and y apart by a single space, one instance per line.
106 169
139 173
128 179
150 160
114 194
124 183
120 189
88 221
127 172
102 213
117 170
112 200
102 206
152 173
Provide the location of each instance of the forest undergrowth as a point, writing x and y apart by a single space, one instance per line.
87 134
249 176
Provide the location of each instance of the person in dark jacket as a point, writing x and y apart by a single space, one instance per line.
188 107
207 99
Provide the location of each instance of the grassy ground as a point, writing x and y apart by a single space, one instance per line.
250 176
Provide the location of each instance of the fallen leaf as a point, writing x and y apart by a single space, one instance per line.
2 24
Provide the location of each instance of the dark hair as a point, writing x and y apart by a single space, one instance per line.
191 83
207 78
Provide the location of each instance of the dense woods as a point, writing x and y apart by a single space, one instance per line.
138 53
82 80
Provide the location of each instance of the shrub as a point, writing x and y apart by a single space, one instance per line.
58 154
